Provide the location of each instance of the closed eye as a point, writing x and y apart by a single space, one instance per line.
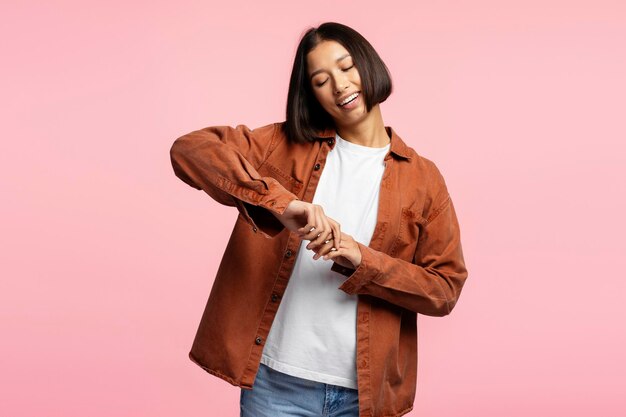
344 70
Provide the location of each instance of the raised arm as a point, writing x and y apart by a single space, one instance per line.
223 162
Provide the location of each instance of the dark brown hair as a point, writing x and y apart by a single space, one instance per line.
305 115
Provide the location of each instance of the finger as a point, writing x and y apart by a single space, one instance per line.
330 238
337 233
324 248
308 231
311 245
334 253
305 229
312 223
320 230
327 235
312 234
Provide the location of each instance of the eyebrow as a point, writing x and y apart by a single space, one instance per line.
314 73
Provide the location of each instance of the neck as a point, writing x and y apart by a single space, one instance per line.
370 131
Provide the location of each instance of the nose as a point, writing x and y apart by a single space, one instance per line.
341 83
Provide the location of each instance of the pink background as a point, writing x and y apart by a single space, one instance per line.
107 258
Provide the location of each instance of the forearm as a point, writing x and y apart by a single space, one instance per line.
431 284
223 162
424 290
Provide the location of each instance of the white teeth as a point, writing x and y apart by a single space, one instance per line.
349 98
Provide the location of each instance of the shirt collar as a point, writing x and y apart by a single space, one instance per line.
398 147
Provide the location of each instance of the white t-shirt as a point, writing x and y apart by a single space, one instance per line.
313 335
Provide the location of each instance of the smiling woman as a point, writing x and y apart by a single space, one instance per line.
345 77
333 334
332 63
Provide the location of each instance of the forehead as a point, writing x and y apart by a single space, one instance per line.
325 54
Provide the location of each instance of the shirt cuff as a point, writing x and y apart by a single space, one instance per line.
260 215
364 273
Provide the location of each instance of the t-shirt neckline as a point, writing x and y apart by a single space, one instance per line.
361 149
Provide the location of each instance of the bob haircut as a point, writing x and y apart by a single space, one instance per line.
305 115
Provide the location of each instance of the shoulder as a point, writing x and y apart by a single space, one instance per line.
263 136
437 190
266 131
431 182
282 140
434 175
423 172
430 174
421 166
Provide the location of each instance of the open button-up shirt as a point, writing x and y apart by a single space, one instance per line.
413 263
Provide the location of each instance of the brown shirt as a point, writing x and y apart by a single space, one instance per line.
413 264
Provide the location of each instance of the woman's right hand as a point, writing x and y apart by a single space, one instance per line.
310 222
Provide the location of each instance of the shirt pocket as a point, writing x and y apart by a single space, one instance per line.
407 235
290 183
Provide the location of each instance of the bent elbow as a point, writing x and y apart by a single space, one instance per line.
180 165
440 308
437 307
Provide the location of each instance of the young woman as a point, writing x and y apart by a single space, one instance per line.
360 226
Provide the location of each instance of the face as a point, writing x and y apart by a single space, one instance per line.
334 78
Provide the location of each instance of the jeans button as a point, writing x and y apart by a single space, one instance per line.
258 341
288 253
317 167
274 297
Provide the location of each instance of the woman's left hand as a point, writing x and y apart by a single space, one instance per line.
347 254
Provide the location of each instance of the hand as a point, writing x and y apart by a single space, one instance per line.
348 254
310 222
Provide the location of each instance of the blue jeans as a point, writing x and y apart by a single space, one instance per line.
275 394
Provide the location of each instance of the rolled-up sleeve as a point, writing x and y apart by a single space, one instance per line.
223 162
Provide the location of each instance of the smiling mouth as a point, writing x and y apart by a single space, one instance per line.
349 99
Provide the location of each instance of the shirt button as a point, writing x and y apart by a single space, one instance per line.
317 166
258 341
274 297
288 253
